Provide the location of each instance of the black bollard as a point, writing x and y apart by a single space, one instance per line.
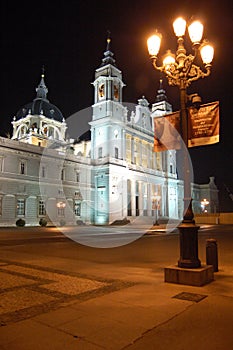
212 253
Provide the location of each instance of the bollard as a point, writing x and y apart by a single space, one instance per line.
212 253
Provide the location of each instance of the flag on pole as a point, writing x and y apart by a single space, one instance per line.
203 124
167 132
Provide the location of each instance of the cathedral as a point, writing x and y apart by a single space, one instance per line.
112 176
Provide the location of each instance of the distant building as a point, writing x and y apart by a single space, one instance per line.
112 176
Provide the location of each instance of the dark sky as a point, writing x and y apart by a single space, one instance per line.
69 37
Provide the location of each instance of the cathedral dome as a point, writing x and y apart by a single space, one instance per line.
40 105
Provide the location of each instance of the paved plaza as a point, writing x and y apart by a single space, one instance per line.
58 294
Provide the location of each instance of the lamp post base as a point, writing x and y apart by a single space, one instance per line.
193 277
188 245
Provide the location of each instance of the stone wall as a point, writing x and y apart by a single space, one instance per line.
213 219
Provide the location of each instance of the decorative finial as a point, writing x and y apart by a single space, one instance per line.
42 71
108 54
41 90
160 84
108 40
161 95
143 102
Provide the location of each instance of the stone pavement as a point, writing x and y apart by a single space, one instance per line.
50 309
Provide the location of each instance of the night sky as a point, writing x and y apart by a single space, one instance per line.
69 38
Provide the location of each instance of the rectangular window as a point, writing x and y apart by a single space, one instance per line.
0 205
61 212
1 163
77 208
100 152
116 153
63 174
50 132
42 210
22 168
21 207
77 176
61 209
43 171
137 188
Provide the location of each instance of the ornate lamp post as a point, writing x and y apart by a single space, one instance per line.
155 205
204 204
181 71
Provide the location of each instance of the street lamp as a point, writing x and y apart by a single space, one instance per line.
181 71
204 204
155 205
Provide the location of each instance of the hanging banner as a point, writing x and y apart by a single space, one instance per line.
203 125
167 132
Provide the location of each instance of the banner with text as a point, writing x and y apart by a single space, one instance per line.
167 132
203 124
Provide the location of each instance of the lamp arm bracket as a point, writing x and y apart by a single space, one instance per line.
154 59
187 71
197 73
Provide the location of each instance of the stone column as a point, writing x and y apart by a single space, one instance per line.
149 200
140 199
133 202
132 150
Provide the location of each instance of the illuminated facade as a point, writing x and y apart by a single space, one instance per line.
113 176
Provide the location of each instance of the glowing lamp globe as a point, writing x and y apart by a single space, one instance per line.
207 53
179 26
195 31
153 44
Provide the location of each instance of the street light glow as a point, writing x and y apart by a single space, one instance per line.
61 205
204 204
168 59
207 53
153 44
195 30
179 26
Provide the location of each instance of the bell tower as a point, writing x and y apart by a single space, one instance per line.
108 82
109 114
108 79
108 140
161 106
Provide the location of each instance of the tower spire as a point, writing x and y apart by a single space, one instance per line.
161 94
41 90
108 54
